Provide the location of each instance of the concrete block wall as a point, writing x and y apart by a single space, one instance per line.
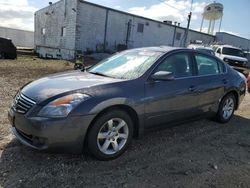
154 33
117 26
53 18
97 25
90 26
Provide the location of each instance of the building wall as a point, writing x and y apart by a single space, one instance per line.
97 25
53 19
226 38
154 33
205 38
117 27
20 38
95 28
90 26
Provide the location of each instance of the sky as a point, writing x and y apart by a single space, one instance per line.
19 14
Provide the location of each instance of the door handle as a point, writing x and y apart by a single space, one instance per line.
192 88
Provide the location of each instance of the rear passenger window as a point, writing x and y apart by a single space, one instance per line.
179 64
206 65
221 67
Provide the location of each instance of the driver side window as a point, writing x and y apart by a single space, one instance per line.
179 64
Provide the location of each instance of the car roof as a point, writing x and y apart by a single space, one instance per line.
162 49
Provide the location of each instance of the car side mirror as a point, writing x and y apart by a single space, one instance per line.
163 75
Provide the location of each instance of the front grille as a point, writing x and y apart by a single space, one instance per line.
235 63
22 104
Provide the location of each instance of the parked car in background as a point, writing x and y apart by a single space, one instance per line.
247 55
234 57
118 98
7 49
202 48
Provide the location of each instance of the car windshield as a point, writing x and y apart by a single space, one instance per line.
126 65
233 52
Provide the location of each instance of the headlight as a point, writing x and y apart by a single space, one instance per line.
225 59
61 107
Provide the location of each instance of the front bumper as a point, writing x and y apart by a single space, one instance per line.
61 134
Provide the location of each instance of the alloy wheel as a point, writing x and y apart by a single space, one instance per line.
112 136
228 108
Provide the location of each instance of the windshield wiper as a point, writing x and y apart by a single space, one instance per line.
99 74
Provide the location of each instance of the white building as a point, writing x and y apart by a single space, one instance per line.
74 26
226 38
20 38
69 27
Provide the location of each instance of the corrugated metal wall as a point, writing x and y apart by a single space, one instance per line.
20 38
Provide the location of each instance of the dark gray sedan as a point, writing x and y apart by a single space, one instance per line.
103 107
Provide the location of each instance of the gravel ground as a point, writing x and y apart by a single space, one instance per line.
198 154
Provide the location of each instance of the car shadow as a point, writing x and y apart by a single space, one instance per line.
21 166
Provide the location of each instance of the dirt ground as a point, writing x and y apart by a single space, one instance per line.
198 154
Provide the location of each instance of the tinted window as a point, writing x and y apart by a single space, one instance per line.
232 51
206 50
221 67
206 65
179 64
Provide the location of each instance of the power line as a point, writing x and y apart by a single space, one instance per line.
162 1
191 8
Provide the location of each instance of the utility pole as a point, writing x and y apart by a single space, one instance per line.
188 25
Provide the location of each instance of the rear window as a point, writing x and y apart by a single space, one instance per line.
211 52
207 65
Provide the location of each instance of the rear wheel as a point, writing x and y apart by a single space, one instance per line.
110 135
226 108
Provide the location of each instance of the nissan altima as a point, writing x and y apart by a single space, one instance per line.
104 107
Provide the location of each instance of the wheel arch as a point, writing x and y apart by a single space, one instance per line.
236 95
129 110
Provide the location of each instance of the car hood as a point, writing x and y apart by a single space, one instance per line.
235 58
56 84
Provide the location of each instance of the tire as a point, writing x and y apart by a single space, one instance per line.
226 108
110 135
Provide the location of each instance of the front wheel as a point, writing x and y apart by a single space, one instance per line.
110 135
226 108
